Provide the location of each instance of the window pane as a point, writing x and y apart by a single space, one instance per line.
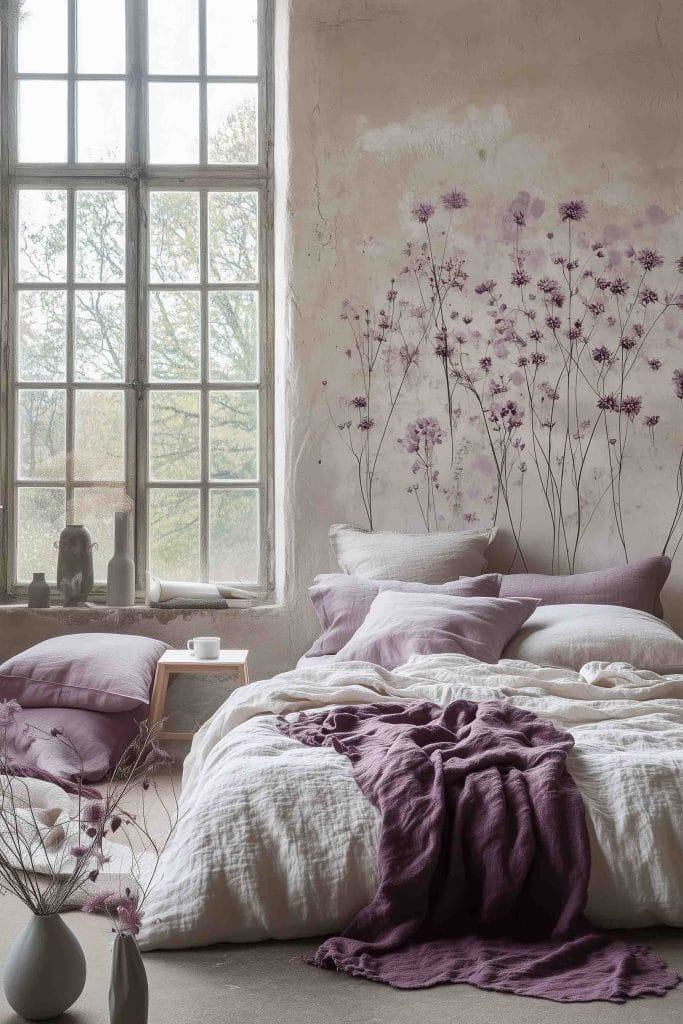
175 333
232 120
95 508
173 37
101 122
41 513
173 123
233 236
42 235
100 335
174 432
100 236
43 36
98 444
42 335
233 435
233 336
42 122
174 237
42 434
101 37
233 536
174 533
231 37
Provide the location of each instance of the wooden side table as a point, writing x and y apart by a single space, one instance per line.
181 662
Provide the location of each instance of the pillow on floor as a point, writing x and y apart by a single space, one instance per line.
90 671
410 557
637 585
569 635
341 602
399 625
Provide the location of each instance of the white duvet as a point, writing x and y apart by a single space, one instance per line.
276 840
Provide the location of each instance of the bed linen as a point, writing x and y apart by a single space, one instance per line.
277 841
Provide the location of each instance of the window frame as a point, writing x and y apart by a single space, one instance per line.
138 178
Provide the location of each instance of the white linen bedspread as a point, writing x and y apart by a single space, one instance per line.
277 841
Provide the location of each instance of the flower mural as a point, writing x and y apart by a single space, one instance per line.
546 364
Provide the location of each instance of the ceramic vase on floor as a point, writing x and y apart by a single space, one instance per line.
74 564
128 991
121 568
45 969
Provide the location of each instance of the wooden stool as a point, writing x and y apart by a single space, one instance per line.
182 662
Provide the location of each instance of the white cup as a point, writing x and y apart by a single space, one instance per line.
206 648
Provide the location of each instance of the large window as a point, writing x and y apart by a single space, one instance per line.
136 220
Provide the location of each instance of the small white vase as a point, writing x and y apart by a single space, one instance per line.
44 970
121 568
128 990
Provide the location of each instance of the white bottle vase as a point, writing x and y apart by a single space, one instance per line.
44 970
128 992
121 568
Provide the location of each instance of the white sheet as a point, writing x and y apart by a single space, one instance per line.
277 841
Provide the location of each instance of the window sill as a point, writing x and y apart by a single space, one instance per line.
142 611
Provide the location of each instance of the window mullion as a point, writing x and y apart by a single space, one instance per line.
204 397
70 351
71 86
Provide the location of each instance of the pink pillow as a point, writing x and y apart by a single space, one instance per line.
637 585
341 602
399 625
91 671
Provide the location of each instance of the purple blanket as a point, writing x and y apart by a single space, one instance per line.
483 856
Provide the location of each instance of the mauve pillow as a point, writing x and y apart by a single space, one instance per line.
410 557
91 671
637 585
399 625
341 602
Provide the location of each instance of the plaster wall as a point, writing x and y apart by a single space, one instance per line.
379 104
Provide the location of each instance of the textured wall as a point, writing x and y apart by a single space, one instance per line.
383 104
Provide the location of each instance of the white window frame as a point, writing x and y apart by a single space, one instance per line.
138 178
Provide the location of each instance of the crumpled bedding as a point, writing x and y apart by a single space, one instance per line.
277 841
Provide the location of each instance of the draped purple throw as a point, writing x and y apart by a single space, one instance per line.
483 856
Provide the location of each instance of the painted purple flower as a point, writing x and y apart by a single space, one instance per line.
631 406
538 358
628 343
608 403
601 354
535 335
425 432
649 259
424 211
651 421
638 330
359 402
485 286
678 383
8 712
602 283
454 200
486 363
619 286
648 296
443 351
366 424
654 364
519 277
573 209
574 333
553 322
522 362
596 308
547 285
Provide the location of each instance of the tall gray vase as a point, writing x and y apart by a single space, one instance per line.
121 568
44 969
74 564
128 991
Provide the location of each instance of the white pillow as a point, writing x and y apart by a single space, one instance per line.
410 557
569 635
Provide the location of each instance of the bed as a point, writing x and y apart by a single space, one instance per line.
276 840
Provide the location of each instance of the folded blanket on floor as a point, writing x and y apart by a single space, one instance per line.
484 856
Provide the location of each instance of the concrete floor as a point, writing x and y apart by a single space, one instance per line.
267 983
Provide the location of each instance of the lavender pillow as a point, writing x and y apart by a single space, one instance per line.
341 602
637 585
91 671
399 625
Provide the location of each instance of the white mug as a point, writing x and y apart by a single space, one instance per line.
206 648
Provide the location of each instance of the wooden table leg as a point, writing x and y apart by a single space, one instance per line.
243 675
157 704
